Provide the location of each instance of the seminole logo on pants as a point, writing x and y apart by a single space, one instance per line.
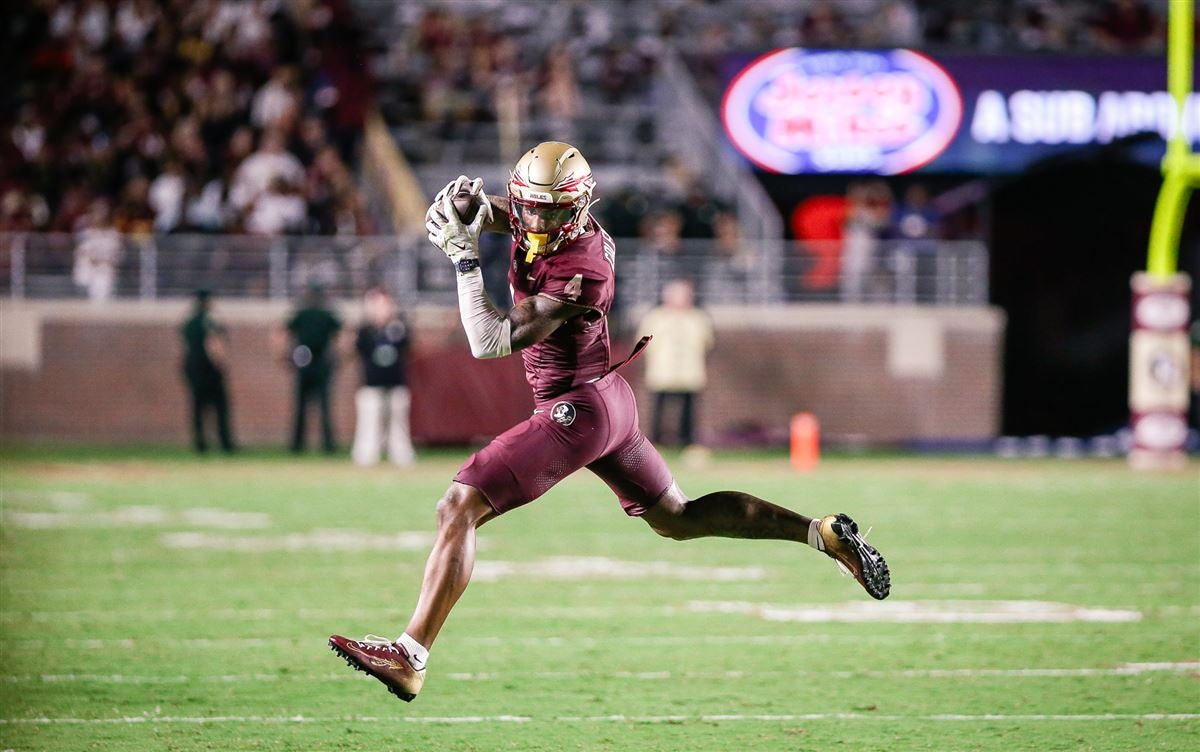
563 412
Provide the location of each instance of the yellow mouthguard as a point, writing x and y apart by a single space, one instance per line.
537 241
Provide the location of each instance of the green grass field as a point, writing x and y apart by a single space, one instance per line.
151 600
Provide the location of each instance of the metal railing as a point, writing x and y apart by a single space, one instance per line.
108 265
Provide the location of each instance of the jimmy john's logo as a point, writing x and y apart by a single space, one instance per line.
882 111
563 413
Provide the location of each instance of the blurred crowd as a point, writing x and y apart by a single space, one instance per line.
455 63
664 226
985 26
859 245
141 116
466 62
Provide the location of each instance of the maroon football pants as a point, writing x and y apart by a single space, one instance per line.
594 426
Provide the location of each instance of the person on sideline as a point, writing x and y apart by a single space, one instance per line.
204 356
675 366
313 329
383 399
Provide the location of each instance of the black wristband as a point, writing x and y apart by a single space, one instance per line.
466 265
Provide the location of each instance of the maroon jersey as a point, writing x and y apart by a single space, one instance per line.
580 273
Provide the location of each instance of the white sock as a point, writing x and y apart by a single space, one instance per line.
418 656
814 535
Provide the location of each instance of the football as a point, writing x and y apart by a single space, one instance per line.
466 205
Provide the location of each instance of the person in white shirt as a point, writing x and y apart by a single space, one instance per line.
97 253
278 210
258 171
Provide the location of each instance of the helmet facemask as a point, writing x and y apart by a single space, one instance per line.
541 226
549 194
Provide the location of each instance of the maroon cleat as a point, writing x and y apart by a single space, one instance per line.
383 659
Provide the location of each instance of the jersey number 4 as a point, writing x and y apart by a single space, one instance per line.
574 288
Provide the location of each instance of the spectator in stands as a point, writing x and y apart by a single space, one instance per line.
97 253
114 92
277 101
868 218
204 365
559 96
1127 26
913 260
819 225
259 172
383 399
278 210
133 215
18 213
664 248
623 212
896 24
915 217
676 371
312 330
698 211
728 269
824 26
165 196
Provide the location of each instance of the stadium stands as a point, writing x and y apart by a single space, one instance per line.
148 117
135 119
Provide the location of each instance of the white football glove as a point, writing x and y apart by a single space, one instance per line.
438 216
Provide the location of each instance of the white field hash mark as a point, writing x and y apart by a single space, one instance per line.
1125 669
139 516
922 612
604 568
314 540
650 719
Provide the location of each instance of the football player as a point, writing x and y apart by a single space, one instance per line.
561 274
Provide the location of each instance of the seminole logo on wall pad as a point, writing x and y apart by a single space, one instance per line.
886 112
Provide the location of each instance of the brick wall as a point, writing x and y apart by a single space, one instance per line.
110 373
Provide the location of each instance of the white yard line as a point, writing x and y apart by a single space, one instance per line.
649 719
313 540
922 612
604 568
318 614
1127 669
807 638
141 616
138 516
546 641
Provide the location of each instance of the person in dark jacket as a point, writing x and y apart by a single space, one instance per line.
205 342
313 329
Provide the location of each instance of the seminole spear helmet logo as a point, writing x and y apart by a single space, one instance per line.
563 412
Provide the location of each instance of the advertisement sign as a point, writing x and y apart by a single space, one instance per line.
886 112
831 111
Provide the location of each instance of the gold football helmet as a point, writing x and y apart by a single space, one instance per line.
549 194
